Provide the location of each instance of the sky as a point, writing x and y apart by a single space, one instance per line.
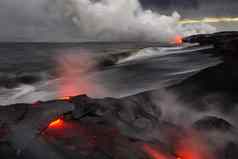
47 20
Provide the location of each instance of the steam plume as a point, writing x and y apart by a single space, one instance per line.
127 20
73 69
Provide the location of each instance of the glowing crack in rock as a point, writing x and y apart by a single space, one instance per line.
58 123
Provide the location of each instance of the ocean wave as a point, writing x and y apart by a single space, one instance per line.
162 51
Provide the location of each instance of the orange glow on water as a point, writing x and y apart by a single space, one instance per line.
56 124
153 153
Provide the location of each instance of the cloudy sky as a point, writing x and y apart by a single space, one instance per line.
47 20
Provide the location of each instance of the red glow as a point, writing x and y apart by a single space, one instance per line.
65 98
193 147
73 70
178 40
56 124
35 104
153 153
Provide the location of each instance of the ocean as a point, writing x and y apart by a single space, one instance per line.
31 72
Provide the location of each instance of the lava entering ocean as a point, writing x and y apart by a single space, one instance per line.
178 40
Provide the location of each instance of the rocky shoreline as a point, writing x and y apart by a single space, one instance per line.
196 118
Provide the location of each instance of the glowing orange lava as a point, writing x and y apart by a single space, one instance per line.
65 98
56 124
153 153
178 40
193 147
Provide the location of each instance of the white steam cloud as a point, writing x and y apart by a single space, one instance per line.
127 20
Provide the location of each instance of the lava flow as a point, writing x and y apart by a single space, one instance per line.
58 123
178 40
193 147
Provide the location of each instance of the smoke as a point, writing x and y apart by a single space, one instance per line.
127 20
73 70
202 128
54 20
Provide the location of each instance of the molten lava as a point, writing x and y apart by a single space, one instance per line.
193 147
178 40
65 98
59 123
